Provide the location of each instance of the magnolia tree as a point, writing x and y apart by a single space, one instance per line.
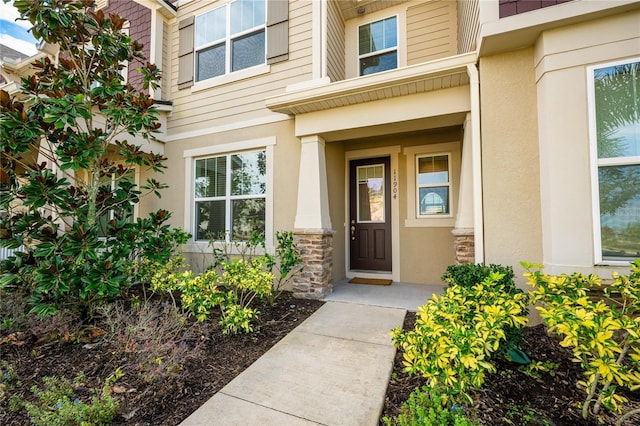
67 195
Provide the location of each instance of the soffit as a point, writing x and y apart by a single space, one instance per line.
354 8
426 77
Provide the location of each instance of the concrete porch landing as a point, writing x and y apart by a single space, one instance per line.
397 295
333 369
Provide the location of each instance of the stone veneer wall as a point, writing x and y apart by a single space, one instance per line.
316 249
464 246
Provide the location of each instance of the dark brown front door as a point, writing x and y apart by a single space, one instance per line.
370 214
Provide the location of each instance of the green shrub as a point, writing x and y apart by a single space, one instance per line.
238 279
283 264
57 404
426 407
469 275
233 292
457 333
604 335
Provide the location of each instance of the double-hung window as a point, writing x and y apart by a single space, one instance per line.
378 46
433 185
615 130
230 38
230 195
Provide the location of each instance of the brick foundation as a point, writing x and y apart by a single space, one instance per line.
464 246
316 249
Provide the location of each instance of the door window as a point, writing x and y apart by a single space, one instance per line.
370 193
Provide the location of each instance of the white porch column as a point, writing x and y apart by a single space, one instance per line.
313 197
463 231
464 215
313 233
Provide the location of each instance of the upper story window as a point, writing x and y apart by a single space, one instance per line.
378 46
230 38
615 137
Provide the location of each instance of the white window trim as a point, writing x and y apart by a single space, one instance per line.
413 220
438 185
227 40
230 78
378 52
596 162
191 155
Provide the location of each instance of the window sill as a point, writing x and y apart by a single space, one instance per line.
614 263
430 222
231 78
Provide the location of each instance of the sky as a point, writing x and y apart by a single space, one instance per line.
14 33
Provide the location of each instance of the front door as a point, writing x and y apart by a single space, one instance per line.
370 214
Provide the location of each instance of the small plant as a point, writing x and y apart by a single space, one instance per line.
517 415
536 369
57 404
427 407
9 384
456 334
604 335
285 263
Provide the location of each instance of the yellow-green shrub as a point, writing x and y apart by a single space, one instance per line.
232 292
456 334
604 335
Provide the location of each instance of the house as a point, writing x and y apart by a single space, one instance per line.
396 137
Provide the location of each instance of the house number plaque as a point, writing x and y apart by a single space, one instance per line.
395 184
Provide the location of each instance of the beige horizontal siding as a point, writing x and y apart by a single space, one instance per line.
468 24
431 31
165 82
244 99
335 42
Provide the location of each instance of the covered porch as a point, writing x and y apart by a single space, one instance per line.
395 123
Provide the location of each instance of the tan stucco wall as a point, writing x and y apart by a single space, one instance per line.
286 159
510 164
562 57
426 251
537 166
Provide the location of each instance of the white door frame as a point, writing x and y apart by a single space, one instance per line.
393 152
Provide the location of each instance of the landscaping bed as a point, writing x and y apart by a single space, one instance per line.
513 397
145 397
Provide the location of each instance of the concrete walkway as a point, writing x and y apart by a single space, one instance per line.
333 369
397 295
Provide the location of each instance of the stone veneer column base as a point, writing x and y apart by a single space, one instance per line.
464 245
316 249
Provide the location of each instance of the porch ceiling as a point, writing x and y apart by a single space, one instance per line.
426 77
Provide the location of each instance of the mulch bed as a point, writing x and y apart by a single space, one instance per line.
511 397
162 401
